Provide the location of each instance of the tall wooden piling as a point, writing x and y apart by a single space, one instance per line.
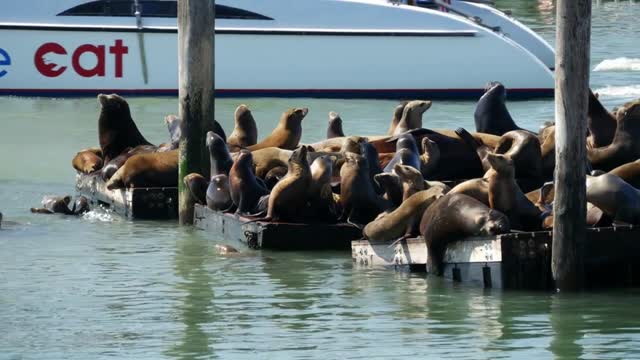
196 88
573 33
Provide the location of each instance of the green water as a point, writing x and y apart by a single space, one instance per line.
103 287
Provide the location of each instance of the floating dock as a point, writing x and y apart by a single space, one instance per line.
274 235
515 260
133 203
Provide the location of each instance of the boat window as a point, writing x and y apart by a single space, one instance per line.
152 8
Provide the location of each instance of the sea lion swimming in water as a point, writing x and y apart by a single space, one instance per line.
245 132
287 133
491 115
116 129
52 204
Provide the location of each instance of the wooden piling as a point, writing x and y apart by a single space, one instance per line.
196 19
573 32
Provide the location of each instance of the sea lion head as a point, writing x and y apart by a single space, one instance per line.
502 164
298 162
495 89
335 121
221 181
80 206
354 162
629 111
243 116
293 117
244 159
491 223
409 175
115 106
413 111
387 180
216 144
430 150
57 204
322 168
351 144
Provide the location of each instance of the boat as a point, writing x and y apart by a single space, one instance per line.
283 48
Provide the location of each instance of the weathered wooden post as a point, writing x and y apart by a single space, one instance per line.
196 87
573 32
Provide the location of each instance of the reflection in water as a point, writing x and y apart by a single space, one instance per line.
192 254
567 321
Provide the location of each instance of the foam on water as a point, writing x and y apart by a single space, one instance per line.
619 64
630 91
99 214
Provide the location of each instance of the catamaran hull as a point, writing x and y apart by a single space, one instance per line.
36 61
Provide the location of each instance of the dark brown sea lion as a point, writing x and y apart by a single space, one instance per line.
288 198
406 153
197 186
429 158
403 221
52 204
412 116
390 186
288 132
477 145
397 115
218 193
523 148
506 196
629 172
116 129
625 146
491 115
334 128
601 123
80 206
147 170
219 156
274 175
455 217
615 197
246 191
245 132
322 203
88 160
547 138
359 201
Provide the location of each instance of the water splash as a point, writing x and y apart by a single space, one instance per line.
619 64
630 91
99 214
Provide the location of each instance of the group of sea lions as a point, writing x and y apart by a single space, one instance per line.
441 184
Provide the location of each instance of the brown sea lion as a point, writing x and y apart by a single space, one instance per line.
116 129
218 193
629 172
245 132
116 163
197 186
601 123
219 156
429 158
52 204
359 201
397 115
625 146
455 217
615 197
269 158
403 221
523 148
246 191
390 186
274 175
547 138
287 133
491 115
506 196
147 170
410 178
88 160
475 188
334 128
288 198
412 116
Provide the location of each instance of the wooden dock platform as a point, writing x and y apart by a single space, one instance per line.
515 260
134 203
275 235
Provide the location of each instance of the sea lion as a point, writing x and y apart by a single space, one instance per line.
454 217
289 197
287 133
147 170
410 178
269 158
174 125
547 138
80 206
226 249
218 193
274 175
334 128
52 204
246 191
322 203
88 160
116 163
219 156
351 144
601 123
629 172
615 197
373 160
412 116
506 196
245 132
406 153
477 145
116 129
359 201
390 186
625 146
523 148
403 221
397 115
429 158
491 115
475 188
197 186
